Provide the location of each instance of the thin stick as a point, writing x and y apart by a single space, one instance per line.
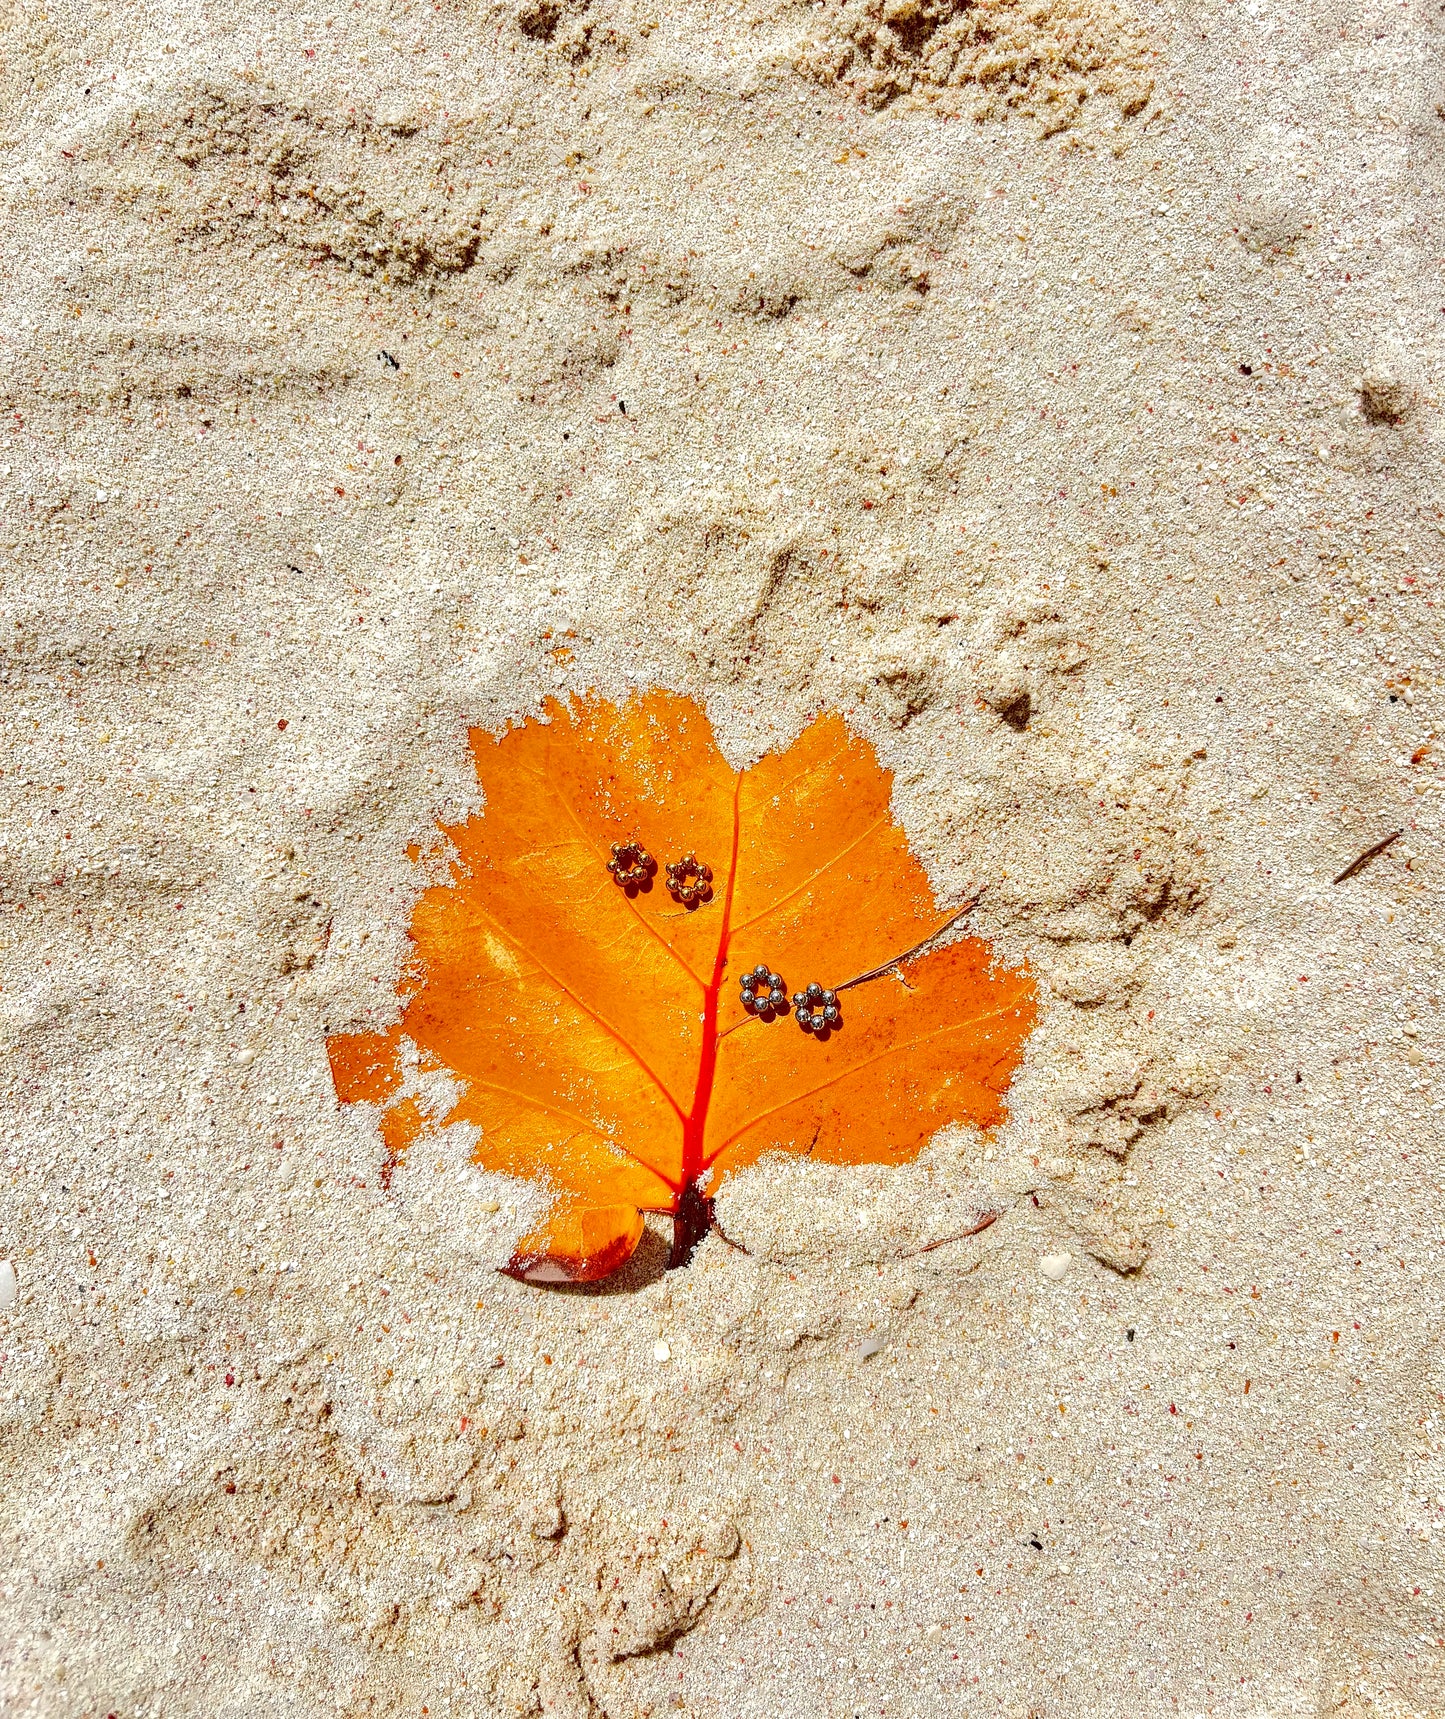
719 1231
1369 854
908 954
887 967
984 1220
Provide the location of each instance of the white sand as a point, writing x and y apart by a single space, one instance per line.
1077 439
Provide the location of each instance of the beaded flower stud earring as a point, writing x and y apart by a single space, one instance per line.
764 993
816 1009
631 865
689 880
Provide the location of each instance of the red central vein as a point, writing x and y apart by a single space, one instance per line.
694 1158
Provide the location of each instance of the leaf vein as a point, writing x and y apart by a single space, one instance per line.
858 1068
592 1014
584 1126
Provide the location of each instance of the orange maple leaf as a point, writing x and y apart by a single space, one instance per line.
596 1029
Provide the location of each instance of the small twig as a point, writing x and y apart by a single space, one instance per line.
984 1220
889 966
1369 854
718 1230
908 954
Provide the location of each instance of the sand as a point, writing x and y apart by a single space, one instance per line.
1046 388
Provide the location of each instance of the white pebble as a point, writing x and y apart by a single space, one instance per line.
1054 1265
662 1350
244 1058
9 1289
870 1346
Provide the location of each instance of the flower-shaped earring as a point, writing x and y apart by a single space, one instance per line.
763 993
689 880
816 1009
631 865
